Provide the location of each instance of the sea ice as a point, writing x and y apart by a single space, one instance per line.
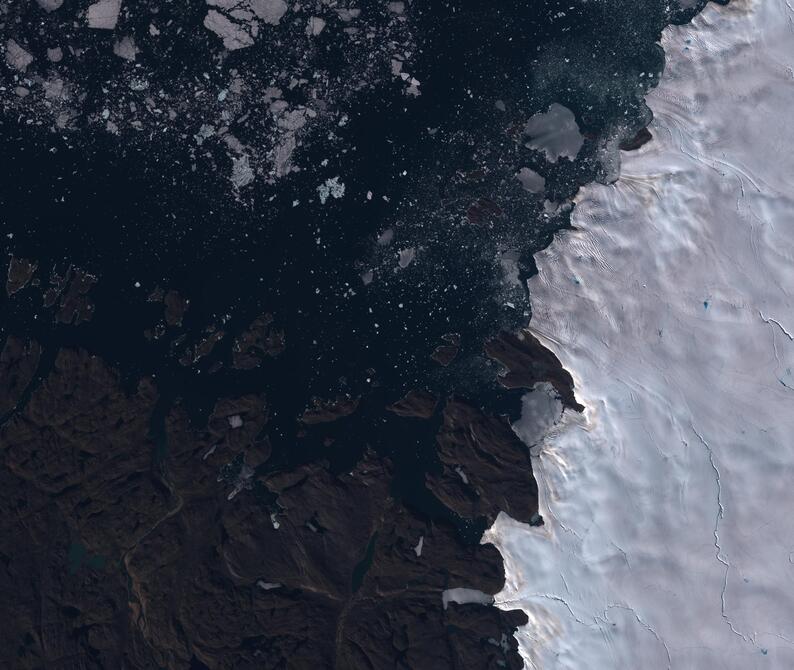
104 14
17 57
332 188
49 5
554 132
531 181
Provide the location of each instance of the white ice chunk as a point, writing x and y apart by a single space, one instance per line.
348 15
315 25
555 132
242 173
55 55
465 597
125 48
332 188
234 35
386 237
49 5
406 257
531 181
104 14
270 11
17 57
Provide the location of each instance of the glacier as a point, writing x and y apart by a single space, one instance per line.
668 504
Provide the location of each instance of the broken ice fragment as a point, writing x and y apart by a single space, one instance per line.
314 26
49 5
282 159
406 257
555 132
53 89
531 181
138 84
234 35
17 57
270 11
242 174
203 133
331 188
104 14
125 48
348 15
386 237
293 120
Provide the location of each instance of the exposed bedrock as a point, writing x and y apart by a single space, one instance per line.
125 545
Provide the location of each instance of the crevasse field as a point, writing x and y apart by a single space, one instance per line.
669 506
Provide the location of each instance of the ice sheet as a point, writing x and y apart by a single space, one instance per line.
669 506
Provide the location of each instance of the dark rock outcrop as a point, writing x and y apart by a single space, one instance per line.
642 137
68 293
18 363
20 272
260 339
129 555
527 362
175 308
486 468
327 411
444 354
416 403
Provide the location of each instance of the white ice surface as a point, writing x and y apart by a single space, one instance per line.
669 505
555 132
104 14
465 596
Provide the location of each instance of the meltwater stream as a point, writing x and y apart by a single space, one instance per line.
669 506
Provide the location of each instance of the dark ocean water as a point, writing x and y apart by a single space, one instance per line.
136 211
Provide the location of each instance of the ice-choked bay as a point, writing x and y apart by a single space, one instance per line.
669 505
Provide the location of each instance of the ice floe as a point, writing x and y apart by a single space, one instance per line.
555 132
104 14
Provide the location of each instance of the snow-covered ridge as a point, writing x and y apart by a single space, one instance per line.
669 505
